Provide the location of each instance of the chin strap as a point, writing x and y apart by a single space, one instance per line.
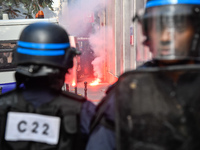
71 53
180 62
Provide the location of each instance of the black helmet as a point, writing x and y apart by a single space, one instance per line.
172 29
43 44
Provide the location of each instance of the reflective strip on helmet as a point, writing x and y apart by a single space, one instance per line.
168 2
43 45
40 53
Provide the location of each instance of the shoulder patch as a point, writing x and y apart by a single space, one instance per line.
74 96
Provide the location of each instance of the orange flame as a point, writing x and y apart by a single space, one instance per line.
95 82
73 84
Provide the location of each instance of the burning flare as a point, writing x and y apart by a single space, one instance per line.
73 84
95 82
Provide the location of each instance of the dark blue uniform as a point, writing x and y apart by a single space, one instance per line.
103 128
38 96
103 136
75 113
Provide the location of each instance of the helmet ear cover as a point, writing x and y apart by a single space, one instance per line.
68 60
143 22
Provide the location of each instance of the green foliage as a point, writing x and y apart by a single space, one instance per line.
12 12
31 6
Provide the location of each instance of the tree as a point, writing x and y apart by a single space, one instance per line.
31 6
11 11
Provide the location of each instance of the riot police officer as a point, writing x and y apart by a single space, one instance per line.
38 114
155 106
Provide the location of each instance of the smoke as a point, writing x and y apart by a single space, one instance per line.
97 42
100 45
74 19
74 16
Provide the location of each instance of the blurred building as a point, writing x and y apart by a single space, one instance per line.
127 50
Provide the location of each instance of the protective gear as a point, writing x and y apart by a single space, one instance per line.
159 116
172 29
66 106
43 44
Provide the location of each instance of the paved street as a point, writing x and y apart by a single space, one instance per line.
94 93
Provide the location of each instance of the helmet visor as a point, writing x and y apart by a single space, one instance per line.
170 30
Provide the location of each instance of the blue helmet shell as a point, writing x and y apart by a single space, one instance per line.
153 3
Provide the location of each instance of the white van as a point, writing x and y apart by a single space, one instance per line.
10 31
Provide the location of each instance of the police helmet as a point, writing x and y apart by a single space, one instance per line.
43 48
172 29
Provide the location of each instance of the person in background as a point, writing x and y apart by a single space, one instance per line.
172 30
38 115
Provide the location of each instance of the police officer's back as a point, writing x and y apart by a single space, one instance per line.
37 114
172 32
